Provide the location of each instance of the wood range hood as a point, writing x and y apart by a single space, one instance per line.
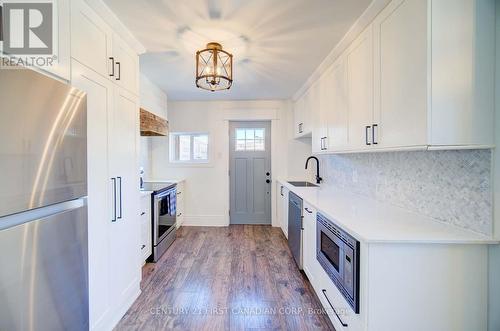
153 125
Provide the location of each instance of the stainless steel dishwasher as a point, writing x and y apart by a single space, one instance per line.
295 227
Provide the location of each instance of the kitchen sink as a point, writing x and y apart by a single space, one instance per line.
303 184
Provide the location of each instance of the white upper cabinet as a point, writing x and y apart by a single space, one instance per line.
302 111
95 45
126 62
319 115
420 76
91 39
61 65
337 111
462 78
401 75
359 59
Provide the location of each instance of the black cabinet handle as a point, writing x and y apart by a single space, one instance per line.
281 191
143 213
366 135
341 322
121 210
114 200
375 126
309 211
143 246
323 144
179 193
112 66
119 71
300 127
180 214
268 181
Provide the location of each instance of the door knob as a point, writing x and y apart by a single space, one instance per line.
268 173
268 181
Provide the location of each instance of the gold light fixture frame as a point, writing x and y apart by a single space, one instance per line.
214 68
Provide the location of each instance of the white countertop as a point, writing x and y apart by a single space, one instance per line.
373 221
145 192
168 180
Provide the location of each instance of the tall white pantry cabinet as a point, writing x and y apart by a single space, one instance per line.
106 68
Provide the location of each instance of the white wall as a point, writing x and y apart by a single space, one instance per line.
207 186
494 256
154 100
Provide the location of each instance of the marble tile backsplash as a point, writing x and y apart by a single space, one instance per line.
450 186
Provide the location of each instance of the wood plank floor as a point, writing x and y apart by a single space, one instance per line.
240 277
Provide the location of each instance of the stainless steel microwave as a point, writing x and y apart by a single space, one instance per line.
338 254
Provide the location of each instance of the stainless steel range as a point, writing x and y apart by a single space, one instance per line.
164 212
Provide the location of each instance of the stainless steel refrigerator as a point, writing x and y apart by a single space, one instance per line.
43 209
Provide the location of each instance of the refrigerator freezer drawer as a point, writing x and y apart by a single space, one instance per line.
43 278
43 134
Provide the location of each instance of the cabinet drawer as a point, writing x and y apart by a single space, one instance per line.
340 312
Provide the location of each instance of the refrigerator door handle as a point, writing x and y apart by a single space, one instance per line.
120 195
113 219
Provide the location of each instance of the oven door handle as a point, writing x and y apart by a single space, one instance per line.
340 320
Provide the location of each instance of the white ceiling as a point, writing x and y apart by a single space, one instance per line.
276 44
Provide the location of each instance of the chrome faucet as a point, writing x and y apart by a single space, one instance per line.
318 178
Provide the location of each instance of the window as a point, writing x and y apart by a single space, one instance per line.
189 147
250 139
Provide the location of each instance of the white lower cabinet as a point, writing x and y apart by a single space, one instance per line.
423 292
282 208
113 223
340 312
146 227
329 295
180 203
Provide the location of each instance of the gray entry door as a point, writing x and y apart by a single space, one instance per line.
250 172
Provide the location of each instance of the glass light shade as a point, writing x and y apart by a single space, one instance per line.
214 68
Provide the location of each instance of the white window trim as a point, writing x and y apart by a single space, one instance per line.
174 152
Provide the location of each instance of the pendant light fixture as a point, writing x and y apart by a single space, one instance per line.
214 68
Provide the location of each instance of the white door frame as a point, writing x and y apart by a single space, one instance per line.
242 115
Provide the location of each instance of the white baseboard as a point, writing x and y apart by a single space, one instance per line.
205 220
